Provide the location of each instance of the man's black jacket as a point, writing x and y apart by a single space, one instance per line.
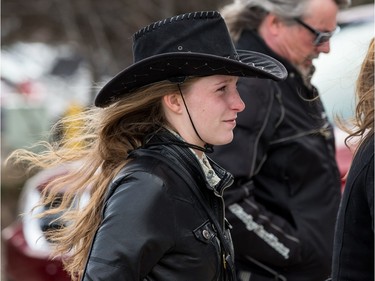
284 202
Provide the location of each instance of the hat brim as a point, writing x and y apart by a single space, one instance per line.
171 65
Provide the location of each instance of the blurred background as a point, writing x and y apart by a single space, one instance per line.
56 54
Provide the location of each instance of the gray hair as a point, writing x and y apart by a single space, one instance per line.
249 14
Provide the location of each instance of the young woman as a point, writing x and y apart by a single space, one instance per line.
156 210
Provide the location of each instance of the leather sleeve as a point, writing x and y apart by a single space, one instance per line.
257 231
132 237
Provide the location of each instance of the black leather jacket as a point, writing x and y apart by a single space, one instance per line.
284 202
155 225
353 253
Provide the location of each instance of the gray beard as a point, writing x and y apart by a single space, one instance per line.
306 75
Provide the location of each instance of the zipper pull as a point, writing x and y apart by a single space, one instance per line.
224 262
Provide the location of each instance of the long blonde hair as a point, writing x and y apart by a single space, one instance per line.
362 124
106 137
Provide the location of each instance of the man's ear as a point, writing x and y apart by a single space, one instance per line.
273 23
173 102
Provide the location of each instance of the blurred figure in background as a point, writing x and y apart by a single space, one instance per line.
353 254
286 194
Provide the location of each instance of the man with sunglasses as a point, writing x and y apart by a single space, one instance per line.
285 197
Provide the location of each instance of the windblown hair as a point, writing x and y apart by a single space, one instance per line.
362 124
106 136
248 14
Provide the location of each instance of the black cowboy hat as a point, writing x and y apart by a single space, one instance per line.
192 44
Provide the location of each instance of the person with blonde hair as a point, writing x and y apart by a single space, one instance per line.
353 252
156 210
287 187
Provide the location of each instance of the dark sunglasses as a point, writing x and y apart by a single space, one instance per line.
320 37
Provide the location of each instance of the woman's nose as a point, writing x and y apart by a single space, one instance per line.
237 102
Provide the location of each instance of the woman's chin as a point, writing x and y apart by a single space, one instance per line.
224 141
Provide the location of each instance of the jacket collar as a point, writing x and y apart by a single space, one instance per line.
168 145
250 40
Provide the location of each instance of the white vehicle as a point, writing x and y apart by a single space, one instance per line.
337 72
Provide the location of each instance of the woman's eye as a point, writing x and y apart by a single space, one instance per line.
222 89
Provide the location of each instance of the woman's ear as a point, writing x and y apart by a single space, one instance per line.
173 102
